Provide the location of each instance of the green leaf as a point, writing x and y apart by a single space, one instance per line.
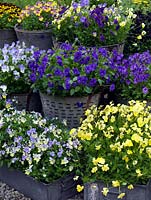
72 91
88 90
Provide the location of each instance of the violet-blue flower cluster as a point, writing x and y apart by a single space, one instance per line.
71 70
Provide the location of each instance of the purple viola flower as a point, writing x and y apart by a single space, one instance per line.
115 21
145 90
22 68
52 153
66 72
82 80
75 5
92 82
50 84
102 72
67 84
77 56
85 60
112 87
103 52
58 72
59 60
79 104
76 71
90 68
50 143
24 157
102 38
59 154
84 3
18 139
26 149
83 19
66 46
33 77
31 131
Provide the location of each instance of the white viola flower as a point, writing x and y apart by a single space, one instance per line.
52 161
64 161
5 68
3 87
36 157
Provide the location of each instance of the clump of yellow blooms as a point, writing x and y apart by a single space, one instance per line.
140 1
39 16
116 141
8 15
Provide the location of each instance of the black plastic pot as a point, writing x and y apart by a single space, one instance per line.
7 36
41 39
94 191
27 101
61 189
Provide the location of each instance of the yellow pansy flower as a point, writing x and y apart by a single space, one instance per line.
121 195
105 168
105 191
130 187
80 188
115 183
94 169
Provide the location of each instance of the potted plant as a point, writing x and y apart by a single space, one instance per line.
71 78
116 149
139 37
94 25
8 18
34 24
133 78
38 153
14 73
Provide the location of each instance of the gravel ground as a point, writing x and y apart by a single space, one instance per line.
8 193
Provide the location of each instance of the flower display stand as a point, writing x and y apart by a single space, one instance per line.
7 36
41 39
62 189
93 191
69 108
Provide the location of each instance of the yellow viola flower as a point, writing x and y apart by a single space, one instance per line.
121 195
80 188
139 37
138 171
115 183
105 168
143 25
130 187
94 169
128 143
105 191
137 138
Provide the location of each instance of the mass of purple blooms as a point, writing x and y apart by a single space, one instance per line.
134 76
71 70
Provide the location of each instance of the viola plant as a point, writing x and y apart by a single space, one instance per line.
13 67
134 75
93 26
8 15
73 71
38 147
3 95
38 16
116 145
